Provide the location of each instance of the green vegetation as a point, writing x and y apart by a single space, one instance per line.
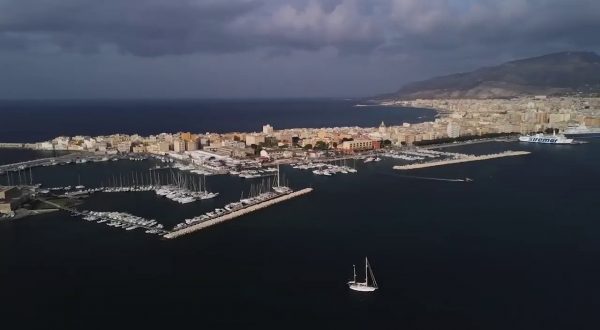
321 145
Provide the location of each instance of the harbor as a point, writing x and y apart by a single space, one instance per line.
175 178
244 206
170 183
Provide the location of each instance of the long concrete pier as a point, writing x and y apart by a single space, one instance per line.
8 145
235 214
470 142
461 160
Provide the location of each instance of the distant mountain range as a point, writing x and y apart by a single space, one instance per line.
564 73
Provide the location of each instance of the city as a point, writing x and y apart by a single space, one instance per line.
457 118
275 164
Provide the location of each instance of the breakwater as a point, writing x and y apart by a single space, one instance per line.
7 145
235 214
460 160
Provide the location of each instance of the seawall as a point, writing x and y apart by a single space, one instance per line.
236 214
461 160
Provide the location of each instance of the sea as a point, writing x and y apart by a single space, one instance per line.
37 120
516 248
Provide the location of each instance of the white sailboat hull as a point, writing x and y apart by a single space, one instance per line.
361 287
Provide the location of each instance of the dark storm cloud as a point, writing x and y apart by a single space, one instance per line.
494 26
272 47
140 27
164 27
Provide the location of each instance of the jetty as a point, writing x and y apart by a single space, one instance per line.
235 214
49 161
465 159
105 216
9 145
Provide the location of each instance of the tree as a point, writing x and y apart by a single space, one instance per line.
387 143
295 140
334 144
321 145
307 146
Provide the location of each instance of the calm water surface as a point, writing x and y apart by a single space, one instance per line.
32 121
517 248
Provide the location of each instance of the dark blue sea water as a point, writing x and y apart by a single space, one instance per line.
31 121
517 248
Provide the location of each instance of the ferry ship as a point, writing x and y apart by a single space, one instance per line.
548 139
582 132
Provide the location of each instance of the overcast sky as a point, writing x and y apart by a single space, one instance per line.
270 48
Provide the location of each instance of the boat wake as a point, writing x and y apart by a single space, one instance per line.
430 178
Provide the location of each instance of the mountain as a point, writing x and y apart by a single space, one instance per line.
553 74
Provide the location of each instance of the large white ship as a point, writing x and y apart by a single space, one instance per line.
582 132
548 139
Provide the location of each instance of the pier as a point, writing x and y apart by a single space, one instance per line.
235 214
83 214
65 159
8 145
460 160
470 142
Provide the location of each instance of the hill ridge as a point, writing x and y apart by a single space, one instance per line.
563 73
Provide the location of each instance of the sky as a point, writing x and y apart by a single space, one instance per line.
270 48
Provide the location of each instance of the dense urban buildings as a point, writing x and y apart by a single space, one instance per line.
457 118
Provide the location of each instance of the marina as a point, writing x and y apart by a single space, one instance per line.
259 200
123 220
180 187
113 219
325 169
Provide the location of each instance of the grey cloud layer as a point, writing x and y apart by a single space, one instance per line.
165 27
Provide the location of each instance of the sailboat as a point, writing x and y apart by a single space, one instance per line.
364 286
79 185
279 188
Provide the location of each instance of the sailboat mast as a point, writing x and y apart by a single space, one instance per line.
278 183
366 271
372 277
354 269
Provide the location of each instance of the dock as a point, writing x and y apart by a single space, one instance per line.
82 214
65 159
470 142
18 145
235 214
460 160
